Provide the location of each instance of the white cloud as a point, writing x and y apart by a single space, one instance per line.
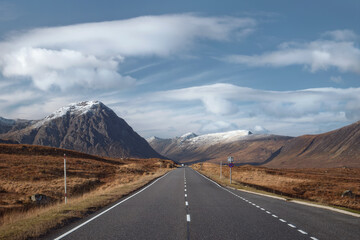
340 53
341 35
260 129
88 54
261 107
63 68
337 79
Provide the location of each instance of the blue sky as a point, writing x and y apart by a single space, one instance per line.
167 68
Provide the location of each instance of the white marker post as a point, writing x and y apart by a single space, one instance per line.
230 160
65 177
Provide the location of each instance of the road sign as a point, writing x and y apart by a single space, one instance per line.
231 165
230 159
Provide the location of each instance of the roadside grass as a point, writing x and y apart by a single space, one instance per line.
266 182
39 221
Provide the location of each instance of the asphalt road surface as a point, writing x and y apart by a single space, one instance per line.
186 205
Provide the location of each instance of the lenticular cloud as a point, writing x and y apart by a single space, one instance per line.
84 54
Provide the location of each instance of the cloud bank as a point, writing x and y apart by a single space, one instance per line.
87 54
340 52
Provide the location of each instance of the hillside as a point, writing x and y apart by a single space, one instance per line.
244 146
89 127
27 169
338 148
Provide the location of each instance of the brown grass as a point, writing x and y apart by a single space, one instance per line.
92 183
318 185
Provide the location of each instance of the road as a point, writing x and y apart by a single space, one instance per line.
186 205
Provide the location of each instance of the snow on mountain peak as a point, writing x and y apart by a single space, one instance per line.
72 109
7 121
188 135
215 138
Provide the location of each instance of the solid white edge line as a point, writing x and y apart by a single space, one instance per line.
301 231
188 217
105 211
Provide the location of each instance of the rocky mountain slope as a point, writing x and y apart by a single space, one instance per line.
338 148
9 125
244 146
89 127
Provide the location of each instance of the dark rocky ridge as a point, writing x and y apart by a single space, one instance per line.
89 127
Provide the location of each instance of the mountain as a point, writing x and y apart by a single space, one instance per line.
89 127
244 146
9 125
338 148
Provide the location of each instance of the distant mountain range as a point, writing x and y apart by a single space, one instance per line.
338 148
89 127
244 146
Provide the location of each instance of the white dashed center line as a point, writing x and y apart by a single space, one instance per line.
273 215
302 231
186 203
188 217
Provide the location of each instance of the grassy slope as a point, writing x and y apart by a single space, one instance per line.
323 186
93 183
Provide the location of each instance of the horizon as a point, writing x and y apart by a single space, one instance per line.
172 68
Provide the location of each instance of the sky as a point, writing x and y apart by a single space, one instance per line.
172 67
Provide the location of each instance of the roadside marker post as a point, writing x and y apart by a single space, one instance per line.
231 164
65 177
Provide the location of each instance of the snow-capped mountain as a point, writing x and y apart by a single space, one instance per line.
216 146
73 109
89 127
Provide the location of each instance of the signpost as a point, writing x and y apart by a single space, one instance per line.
231 164
65 177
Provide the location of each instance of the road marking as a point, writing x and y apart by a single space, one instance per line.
282 220
292 225
185 189
185 195
188 217
105 211
257 206
186 203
